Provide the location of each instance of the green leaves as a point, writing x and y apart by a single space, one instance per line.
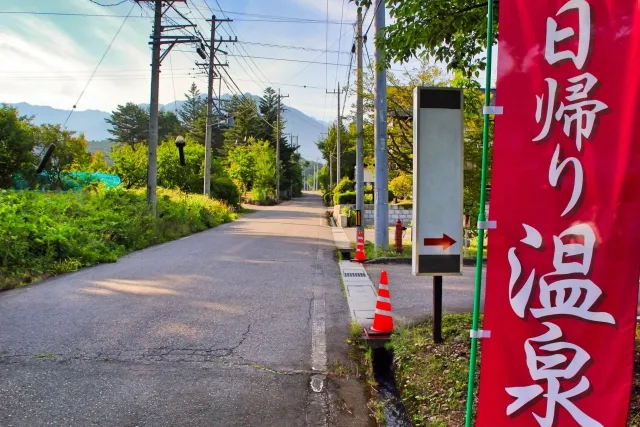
129 124
16 145
450 31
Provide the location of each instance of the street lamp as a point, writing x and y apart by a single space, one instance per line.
180 143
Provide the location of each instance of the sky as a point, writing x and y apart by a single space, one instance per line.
48 59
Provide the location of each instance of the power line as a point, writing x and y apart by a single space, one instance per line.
305 67
290 18
337 64
309 49
245 51
372 18
107 5
340 39
105 15
242 56
98 66
326 42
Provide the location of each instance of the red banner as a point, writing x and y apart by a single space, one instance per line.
562 279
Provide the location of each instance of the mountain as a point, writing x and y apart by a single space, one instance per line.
89 122
92 123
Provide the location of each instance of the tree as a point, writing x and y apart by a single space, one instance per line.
129 124
98 163
130 164
168 125
400 111
246 121
402 186
241 166
473 138
16 145
171 174
453 32
193 111
269 112
264 158
70 153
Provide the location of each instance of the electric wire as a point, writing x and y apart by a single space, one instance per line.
107 5
98 66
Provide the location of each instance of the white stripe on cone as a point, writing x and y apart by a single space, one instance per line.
383 312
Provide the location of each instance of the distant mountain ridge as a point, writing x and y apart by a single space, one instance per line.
92 123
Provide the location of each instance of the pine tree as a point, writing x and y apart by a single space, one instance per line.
129 124
268 110
246 121
193 114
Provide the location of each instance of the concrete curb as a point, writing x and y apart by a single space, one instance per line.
360 292
389 260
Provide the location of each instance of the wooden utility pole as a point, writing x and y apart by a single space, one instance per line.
157 40
278 146
338 127
208 153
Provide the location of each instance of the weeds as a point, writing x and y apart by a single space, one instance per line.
45 234
432 379
46 356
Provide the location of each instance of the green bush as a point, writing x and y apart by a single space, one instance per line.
402 186
224 189
348 198
345 185
44 234
327 198
368 195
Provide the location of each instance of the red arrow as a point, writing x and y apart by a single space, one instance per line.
444 241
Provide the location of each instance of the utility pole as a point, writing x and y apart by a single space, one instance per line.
157 40
338 127
209 131
152 167
359 141
381 214
278 146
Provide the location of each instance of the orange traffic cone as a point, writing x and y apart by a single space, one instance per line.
383 318
360 254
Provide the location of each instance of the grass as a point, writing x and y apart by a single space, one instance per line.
46 356
372 253
432 379
45 234
634 411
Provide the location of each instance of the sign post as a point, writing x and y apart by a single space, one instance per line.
437 189
562 277
437 181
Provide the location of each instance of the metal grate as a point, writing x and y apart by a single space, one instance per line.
355 275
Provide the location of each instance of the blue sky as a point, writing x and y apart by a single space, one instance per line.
47 60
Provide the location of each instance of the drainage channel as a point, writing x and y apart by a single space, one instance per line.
394 411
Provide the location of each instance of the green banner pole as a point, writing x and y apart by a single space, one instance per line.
481 217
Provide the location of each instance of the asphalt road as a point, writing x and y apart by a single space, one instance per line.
223 328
